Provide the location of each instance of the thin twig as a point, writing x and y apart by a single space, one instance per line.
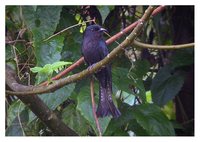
14 41
67 29
20 123
94 106
21 32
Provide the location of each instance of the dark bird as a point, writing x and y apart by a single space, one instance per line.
94 49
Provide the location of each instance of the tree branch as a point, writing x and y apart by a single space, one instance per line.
38 107
94 106
151 46
60 83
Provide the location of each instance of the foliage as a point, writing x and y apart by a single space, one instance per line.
48 69
143 88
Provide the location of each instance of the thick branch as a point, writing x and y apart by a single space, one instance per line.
38 107
60 83
151 46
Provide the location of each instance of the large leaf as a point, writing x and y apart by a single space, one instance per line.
120 79
141 67
53 100
153 120
117 126
166 85
129 80
85 108
104 11
183 57
50 51
17 127
75 120
14 110
42 23
148 119
137 129
41 20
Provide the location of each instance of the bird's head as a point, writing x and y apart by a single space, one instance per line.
94 30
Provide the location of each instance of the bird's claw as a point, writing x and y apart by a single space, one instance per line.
91 66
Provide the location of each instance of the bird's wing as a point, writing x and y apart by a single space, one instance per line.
102 49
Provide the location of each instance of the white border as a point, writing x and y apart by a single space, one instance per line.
95 2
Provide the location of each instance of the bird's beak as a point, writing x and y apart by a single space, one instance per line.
103 30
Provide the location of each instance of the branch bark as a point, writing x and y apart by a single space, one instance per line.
94 106
38 107
151 46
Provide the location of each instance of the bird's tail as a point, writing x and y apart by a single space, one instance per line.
106 106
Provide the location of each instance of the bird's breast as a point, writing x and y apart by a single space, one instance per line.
90 51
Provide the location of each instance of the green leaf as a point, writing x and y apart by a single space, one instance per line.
53 100
149 97
14 110
75 120
138 86
42 21
144 119
152 119
166 85
18 125
120 79
60 64
50 51
169 110
85 108
36 69
141 67
128 79
182 57
77 17
104 11
49 68
137 129
9 53
47 71
118 126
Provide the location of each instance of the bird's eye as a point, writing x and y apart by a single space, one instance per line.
95 29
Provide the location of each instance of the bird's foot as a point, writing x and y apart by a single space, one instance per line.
91 66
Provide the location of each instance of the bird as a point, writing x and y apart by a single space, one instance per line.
94 49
